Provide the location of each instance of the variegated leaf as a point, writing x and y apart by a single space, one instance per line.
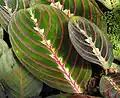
39 37
90 42
110 86
18 82
84 8
8 8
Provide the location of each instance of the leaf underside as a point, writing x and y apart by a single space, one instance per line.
90 42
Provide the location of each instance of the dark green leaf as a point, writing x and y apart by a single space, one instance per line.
18 82
90 42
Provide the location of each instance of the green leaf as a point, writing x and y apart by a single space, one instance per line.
110 86
18 82
39 37
90 42
1 32
3 47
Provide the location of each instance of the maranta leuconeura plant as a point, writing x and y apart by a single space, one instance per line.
57 42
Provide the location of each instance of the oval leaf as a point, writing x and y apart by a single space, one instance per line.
18 82
110 86
90 42
39 38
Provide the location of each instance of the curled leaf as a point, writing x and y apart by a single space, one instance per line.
90 42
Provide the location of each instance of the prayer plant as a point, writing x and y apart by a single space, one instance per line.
69 45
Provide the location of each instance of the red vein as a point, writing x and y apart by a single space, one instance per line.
81 69
90 8
83 8
74 64
75 7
